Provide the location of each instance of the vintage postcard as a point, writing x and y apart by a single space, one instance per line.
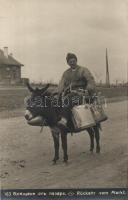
63 99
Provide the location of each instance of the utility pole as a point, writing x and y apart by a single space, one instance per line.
107 71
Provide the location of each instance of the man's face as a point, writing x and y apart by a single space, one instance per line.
72 62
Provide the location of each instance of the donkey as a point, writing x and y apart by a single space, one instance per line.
50 116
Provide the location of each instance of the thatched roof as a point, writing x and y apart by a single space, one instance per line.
4 60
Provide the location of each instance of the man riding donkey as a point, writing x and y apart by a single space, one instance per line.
77 82
77 87
74 82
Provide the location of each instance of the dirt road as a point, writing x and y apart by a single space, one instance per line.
26 155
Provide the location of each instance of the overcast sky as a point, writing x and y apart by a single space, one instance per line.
40 33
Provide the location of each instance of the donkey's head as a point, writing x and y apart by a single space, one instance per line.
35 103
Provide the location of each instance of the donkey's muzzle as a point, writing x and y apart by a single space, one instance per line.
34 121
28 115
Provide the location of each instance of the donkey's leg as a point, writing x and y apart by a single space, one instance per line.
64 145
97 137
56 145
91 134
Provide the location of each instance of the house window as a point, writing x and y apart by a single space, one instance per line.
14 74
7 72
7 69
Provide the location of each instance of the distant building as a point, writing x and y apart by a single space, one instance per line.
10 68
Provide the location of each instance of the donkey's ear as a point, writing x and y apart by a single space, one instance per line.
45 88
29 87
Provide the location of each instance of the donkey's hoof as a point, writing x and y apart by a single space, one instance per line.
91 150
55 160
65 161
98 150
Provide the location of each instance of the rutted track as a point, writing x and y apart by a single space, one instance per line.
26 155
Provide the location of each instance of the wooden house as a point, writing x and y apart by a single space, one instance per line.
10 68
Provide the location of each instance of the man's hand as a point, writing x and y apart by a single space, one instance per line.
66 91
